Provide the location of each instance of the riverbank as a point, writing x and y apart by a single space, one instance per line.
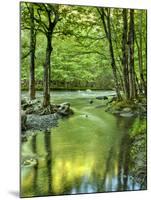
38 118
73 86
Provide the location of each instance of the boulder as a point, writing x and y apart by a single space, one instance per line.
64 109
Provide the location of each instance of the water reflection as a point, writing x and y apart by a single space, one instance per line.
47 138
35 168
125 181
82 155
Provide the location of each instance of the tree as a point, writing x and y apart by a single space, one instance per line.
125 54
29 25
47 18
105 17
131 57
32 54
139 44
91 47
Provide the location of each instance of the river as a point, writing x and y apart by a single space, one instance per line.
87 153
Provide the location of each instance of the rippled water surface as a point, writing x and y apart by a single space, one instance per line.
88 152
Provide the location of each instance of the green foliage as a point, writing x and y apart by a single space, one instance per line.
119 105
80 47
139 128
138 151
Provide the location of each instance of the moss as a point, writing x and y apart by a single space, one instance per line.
139 128
138 152
119 105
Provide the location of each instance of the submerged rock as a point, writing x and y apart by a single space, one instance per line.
102 97
100 106
90 101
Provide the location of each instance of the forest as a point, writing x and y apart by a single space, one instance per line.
83 66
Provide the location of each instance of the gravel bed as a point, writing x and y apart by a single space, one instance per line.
41 122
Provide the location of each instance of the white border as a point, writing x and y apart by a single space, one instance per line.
9 100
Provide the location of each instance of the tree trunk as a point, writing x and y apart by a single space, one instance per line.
125 55
107 29
114 69
32 55
140 57
46 79
131 56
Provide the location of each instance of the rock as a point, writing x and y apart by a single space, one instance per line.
65 104
30 162
31 106
23 101
64 109
102 97
30 110
126 110
35 101
114 98
127 114
90 101
116 112
88 90
24 138
23 120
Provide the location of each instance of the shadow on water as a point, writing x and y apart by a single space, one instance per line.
35 170
124 155
123 182
37 167
101 181
47 139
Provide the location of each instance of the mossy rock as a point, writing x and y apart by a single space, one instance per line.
29 162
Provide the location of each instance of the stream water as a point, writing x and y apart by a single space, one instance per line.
88 152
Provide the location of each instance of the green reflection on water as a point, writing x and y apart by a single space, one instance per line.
88 152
